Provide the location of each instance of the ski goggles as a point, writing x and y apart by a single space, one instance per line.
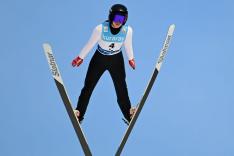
119 19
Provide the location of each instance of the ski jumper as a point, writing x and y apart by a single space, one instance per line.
108 56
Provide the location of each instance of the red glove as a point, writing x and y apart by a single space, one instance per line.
77 61
132 63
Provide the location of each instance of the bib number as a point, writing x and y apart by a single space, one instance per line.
111 46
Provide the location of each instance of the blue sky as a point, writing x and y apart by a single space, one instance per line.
189 111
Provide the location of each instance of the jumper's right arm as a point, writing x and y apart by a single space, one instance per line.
96 35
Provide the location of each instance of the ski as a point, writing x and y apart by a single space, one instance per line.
148 88
62 91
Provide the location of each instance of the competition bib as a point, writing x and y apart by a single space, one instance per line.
111 44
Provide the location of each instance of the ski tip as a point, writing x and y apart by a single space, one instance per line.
171 29
47 48
172 25
46 45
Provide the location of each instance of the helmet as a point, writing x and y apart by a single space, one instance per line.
120 10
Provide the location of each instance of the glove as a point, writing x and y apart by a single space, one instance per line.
132 63
77 61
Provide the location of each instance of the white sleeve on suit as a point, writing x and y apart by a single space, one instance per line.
96 35
128 44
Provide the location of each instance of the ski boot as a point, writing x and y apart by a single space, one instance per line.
132 111
77 114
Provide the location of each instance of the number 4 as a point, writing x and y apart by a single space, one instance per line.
112 45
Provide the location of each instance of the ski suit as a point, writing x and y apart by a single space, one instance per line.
108 56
